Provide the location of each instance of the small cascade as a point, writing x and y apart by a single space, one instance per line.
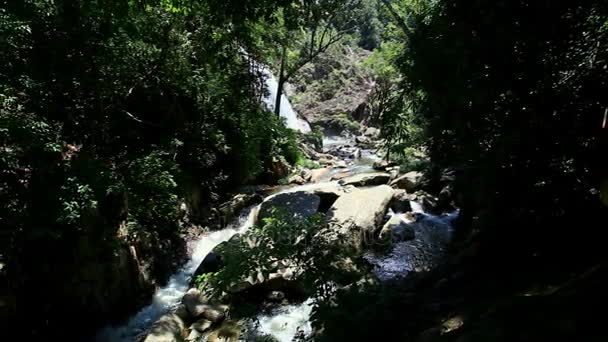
169 296
292 119
287 322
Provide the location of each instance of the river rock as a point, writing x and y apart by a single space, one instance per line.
341 175
328 192
340 164
279 276
169 328
372 132
233 207
227 332
306 174
394 173
198 307
213 262
397 230
401 201
299 204
278 169
296 179
201 325
366 179
345 152
363 141
359 213
383 165
317 174
409 181
194 336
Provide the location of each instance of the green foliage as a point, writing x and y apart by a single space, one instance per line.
110 113
301 243
516 106
340 122
308 164
153 192
369 26
411 159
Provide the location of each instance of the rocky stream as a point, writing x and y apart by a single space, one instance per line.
356 188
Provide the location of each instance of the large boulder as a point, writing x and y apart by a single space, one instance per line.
213 262
358 214
409 182
372 132
169 328
401 202
366 179
396 230
328 193
198 307
296 179
298 204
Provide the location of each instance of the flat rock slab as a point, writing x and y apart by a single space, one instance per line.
367 179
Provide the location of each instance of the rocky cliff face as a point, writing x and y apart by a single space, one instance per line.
332 92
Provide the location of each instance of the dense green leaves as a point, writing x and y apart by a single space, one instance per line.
513 94
113 114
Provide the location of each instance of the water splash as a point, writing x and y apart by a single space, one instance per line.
417 207
287 322
169 296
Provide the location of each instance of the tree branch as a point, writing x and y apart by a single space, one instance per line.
400 21
140 120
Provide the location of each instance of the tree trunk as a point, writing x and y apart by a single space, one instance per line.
281 82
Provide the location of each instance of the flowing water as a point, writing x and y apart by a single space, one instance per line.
169 296
432 236
284 323
287 322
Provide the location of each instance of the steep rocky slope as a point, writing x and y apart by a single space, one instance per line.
332 92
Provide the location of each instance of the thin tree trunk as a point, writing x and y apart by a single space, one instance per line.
400 21
277 103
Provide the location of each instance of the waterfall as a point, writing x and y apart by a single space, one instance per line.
292 119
